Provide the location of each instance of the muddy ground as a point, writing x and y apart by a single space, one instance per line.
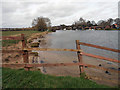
16 57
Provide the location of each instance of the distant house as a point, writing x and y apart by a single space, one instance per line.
108 27
98 27
117 26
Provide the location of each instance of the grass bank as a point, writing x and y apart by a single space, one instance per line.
9 33
15 33
35 79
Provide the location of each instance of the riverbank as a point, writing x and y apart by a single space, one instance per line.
35 79
16 57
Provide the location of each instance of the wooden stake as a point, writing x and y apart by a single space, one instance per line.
79 56
23 41
25 56
25 52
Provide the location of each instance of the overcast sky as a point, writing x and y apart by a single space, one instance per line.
20 13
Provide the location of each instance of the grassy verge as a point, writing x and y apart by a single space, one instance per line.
6 43
27 33
9 33
35 79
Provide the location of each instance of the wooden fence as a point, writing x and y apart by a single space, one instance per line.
78 50
95 56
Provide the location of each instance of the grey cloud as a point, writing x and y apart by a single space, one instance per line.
8 7
108 10
62 0
21 14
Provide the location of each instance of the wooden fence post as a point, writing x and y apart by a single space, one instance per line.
25 52
23 41
79 56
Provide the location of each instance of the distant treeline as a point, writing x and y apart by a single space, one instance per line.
83 24
44 23
16 29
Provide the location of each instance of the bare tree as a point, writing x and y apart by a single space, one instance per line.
117 21
41 23
82 22
102 23
93 22
89 23
48 23
110 21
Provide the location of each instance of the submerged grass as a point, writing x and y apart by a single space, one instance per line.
35 79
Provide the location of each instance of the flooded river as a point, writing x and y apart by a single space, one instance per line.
66 39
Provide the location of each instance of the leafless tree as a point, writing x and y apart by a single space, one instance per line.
93 22
80 22
41 23
102 23
117 21
89 23
110 21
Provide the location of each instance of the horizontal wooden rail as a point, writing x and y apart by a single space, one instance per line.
11 51
83 53
100 57
12 65
100 47
11 38
102 68
58 64
70 64
51 49
103 79
40 49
